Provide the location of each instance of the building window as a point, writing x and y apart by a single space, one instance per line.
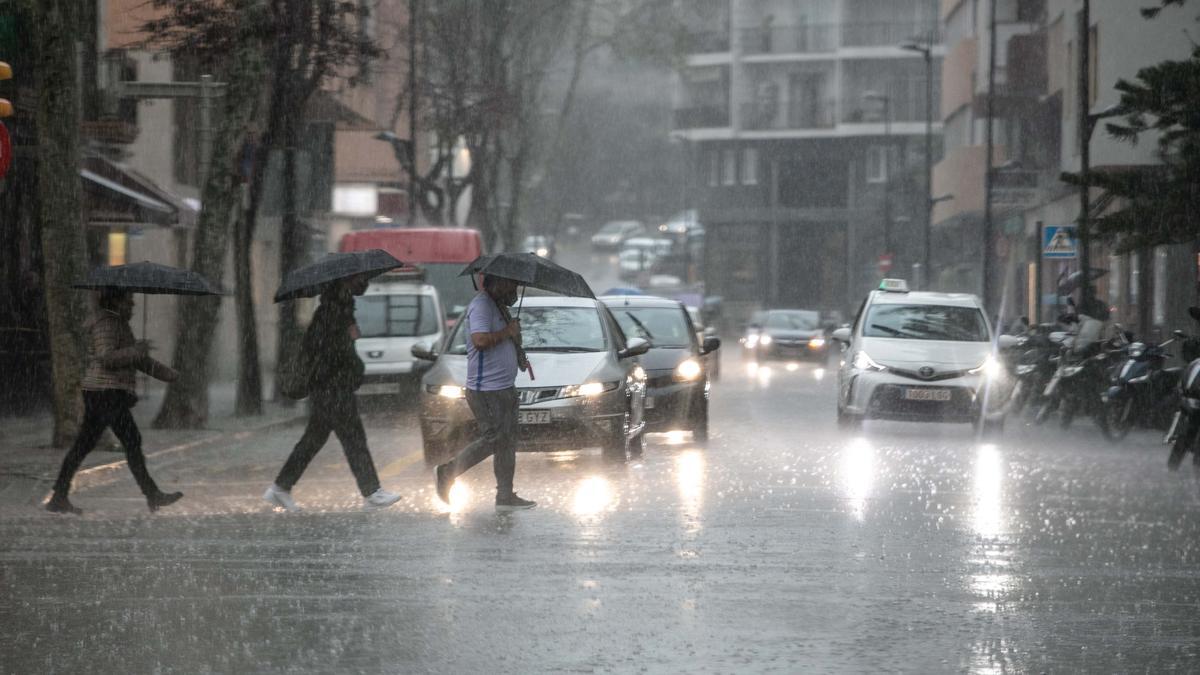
877 169
729 168
118 251
714 168
750 166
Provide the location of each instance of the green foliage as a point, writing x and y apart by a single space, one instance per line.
1161 204
1151 12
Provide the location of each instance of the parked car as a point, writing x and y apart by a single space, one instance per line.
589 391
397 311
640 255
788 334
924 357
539 244
677 373
612 234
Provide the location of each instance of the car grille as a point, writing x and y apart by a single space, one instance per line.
537 394
928 377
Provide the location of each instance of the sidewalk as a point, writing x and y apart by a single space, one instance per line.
28 464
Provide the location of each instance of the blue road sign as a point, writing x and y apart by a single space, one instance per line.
1059 242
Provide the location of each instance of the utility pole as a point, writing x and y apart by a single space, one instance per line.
926 51
991 150
1086 125
413 185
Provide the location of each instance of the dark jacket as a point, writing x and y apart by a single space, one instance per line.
336 366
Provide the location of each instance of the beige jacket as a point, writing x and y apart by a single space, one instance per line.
113 356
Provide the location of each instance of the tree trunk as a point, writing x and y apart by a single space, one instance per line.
60 213
186 401
249 391
294 239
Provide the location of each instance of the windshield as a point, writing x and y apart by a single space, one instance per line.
799 320
398 315
926 322
662 326
550 329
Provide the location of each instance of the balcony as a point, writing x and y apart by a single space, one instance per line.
828 37
886 34
797 117
701 117
706 42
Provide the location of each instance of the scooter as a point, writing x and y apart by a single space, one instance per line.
1078 382
1185 427
1034 367
1141 390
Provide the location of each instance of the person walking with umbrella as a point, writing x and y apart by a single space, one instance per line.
109 385
494 355
331 372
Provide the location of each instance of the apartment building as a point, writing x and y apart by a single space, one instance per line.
805 124
1037 138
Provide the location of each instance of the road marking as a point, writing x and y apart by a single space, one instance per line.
395 468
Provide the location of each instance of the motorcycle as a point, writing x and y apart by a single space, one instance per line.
1078 381
1034 367
1185 427
1141 390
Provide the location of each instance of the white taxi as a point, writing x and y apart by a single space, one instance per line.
918 356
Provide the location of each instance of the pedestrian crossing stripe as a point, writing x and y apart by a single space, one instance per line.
1059 242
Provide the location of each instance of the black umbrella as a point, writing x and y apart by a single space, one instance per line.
1069 284
148 277
528 269
311 280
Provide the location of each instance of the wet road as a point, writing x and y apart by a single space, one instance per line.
783 546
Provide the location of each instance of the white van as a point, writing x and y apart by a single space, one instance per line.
397 311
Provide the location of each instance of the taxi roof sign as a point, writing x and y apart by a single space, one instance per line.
893 286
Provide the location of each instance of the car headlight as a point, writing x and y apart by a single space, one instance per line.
864 362
446 390
990 368
688 371
765 340
752 340
816 343
588 389
639 374
543 252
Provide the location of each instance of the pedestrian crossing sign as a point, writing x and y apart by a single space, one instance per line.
1059 242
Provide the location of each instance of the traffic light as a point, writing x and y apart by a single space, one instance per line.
6 108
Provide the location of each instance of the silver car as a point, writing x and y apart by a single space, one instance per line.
589 388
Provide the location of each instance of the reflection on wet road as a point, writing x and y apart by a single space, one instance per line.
784 545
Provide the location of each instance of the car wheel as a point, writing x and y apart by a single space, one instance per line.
700 422
618 441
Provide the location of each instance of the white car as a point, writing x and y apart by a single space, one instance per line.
610 237
397 311
919 357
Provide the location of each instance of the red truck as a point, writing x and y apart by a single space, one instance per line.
441 252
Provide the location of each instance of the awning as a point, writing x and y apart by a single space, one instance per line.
117 196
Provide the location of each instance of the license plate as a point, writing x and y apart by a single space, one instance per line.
927 394
533 417
380 388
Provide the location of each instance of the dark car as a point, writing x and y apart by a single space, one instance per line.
677 372
786 334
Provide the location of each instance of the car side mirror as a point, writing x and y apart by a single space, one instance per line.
423 352
711 344
1008 341
842 335
635 347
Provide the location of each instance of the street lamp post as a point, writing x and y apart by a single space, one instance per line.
887 172
926 51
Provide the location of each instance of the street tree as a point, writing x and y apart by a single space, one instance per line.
230 38
59 202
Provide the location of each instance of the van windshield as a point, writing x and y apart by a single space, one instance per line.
398 315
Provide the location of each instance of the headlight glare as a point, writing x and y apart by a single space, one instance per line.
689 370
765 340
816 343
990 368
446 390
862 361
588 389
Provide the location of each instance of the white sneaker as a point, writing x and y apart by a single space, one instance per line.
380 499
280 498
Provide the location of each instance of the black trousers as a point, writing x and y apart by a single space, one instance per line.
332 412
496 418
103 409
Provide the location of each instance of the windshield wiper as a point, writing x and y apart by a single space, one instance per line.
563 350
641 326
889 329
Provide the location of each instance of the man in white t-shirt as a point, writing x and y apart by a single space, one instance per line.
491 393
